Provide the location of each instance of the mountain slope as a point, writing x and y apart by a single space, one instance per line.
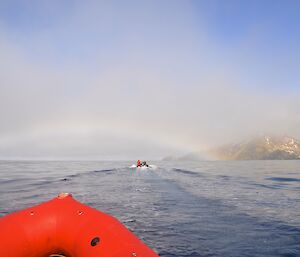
262 148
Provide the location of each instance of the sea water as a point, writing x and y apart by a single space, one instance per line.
241 208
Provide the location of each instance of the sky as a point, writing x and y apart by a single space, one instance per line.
110 80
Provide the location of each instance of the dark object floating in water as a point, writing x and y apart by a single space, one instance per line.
108 170
188 172
281 179
66 227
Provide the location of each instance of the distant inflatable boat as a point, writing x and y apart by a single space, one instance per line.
66 227
133 166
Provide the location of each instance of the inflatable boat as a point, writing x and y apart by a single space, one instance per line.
66 227
153 167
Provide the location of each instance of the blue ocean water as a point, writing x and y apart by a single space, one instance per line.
187 209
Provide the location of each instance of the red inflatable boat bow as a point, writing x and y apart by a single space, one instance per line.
64 226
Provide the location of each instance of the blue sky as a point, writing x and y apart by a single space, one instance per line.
261 36
215 71
264 33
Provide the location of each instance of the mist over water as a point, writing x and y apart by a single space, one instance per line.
183 209
109 80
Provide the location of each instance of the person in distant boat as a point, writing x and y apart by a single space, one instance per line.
138 163
144 163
